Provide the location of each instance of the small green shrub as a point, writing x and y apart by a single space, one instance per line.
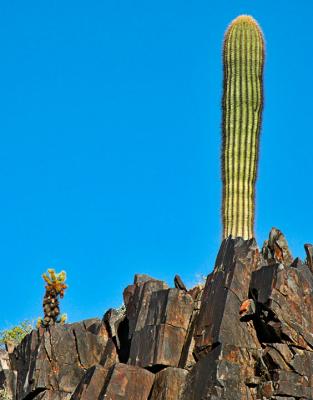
15 335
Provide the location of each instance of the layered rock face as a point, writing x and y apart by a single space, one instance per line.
246 335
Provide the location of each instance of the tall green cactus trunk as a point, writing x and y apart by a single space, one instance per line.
243 59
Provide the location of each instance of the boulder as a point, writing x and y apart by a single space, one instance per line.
276 249
91 385
54 360
226 288
226 372
169 384
284 304
127 382
159 328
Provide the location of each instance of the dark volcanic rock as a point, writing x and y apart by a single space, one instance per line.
91 385
275 249
309 255
121 381
137 298
159 338
179 284
247 335
55 360
169 384
158 322
284 304
227 372
258 347
226 288
127 382
187 359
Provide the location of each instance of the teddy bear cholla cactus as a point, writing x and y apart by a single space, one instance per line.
55 288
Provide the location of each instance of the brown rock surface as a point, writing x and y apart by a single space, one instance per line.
247 335
91 385
169 384
225 290
127 382
265 351
284 304
226 372
55 360
158 327
275 249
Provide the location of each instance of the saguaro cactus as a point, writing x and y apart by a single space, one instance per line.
243 58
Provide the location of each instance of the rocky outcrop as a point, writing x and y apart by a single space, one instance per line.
51 362
247 335
7 376
158 327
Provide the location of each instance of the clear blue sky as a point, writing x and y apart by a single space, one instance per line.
110 142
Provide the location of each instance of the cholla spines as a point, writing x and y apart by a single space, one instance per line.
243 59
55 288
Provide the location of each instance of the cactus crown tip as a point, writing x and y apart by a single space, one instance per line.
244 20
248 19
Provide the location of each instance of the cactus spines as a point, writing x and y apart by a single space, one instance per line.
55 287
243 60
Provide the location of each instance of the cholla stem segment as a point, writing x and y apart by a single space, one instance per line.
243 59
55 287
